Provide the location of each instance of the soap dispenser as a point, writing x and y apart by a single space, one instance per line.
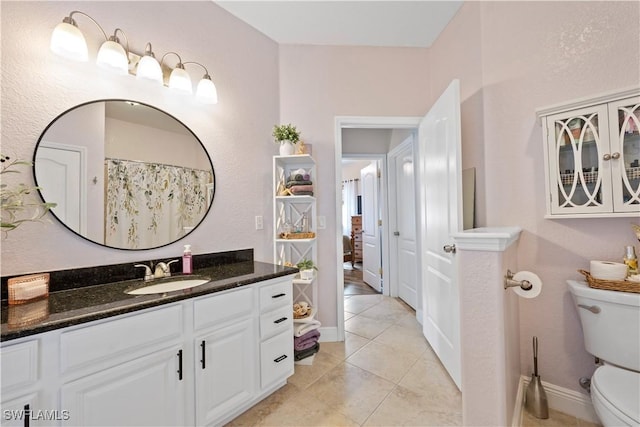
187 266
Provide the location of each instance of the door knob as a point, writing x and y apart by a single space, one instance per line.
606 157
615 156
450 249
396 233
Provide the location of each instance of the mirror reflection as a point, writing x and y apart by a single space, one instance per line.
124 174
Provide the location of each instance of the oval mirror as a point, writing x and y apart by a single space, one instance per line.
124 174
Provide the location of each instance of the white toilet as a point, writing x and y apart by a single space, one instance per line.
611 327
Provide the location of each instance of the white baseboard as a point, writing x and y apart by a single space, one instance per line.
328 334
561 399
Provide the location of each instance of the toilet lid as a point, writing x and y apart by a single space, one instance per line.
621 388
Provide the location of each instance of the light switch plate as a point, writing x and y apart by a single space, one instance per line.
259 222
322 222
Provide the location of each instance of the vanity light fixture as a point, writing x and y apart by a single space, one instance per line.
148 67
206 91
68 41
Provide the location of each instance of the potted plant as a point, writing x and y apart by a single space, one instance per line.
286 136
17 205
306 267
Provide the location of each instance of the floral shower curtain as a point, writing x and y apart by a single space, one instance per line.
150 204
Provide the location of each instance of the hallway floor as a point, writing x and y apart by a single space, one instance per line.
383 374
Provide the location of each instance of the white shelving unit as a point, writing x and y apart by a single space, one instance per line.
292 209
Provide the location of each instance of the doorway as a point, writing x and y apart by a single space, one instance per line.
366 151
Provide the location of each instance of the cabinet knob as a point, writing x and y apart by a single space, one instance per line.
615 156
450 249
606 157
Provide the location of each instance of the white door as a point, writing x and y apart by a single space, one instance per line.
404 225
371 256
59 174
441 188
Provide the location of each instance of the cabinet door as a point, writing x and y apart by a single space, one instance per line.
19 412
624 116
147 391
226 361
579 161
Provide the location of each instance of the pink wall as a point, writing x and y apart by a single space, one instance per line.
37 86
511 58
318 83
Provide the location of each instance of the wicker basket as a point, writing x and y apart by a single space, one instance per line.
611 285
309 235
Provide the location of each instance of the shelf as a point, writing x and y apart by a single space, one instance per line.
297 159
296 240
296 199
592 177
298 281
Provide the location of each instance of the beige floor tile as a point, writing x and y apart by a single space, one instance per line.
556 419
406 408
388 311
303 409
358 303
432 382
343 349
271 404
409 321
403 339
305 375
366 327
383 361
585 423
348 315
352 391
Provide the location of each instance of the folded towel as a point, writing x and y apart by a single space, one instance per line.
303 193
302 354
305 344
302 328
307 340
298 188
301 182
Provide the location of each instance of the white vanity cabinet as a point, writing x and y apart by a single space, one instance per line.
225 349
22 390
592 155
128 370
194 362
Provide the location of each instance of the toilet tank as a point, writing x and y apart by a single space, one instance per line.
613 333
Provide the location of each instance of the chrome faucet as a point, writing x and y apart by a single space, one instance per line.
148 274
163 269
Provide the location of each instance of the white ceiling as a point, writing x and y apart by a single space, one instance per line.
354 23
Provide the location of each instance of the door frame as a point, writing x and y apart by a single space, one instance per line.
361 122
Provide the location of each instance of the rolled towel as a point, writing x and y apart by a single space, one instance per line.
302 328
306 177
296 177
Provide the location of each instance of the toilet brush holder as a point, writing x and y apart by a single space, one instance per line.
536 398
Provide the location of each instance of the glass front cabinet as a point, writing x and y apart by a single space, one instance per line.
592 155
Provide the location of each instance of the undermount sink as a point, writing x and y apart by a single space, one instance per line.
170 285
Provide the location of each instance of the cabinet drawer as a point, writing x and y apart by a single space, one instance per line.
19 365
275 322
215 309
357 246
356 220
120 337
276 295
357 229
357 237
276 358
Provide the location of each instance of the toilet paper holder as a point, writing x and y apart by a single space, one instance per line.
510 283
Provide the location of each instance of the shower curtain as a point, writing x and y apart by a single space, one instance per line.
150 204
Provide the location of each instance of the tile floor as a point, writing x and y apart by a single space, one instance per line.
383 374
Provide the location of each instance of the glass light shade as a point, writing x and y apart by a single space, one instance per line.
180 81
113 57
206 92
67 41
148 68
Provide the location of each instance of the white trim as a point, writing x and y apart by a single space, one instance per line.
328 334
495 239
561 399
588 101
343 122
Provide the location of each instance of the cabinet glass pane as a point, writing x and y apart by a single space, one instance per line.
579 180
628 132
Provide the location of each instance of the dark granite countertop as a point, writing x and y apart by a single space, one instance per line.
85 304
